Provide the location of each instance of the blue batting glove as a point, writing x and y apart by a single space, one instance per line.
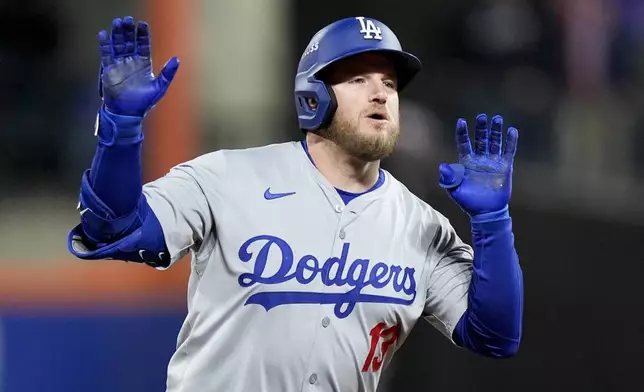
126 81
481 182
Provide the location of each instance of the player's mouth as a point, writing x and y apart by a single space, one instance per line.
378 116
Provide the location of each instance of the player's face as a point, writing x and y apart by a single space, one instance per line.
366 124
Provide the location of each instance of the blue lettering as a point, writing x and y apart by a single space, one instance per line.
394 272
409 277
303 265
340 262
334 271
248 279
378 272
363 265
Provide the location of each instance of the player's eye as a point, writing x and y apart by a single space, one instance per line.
357 80
390 84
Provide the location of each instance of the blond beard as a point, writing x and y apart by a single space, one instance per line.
369 148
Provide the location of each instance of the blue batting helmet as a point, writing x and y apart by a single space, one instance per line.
339 40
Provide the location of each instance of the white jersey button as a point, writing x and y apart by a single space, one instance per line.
313 378
342 234
326 322
338 208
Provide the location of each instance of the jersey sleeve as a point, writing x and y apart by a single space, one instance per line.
450 270
183 201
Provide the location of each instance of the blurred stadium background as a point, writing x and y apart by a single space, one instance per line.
568 73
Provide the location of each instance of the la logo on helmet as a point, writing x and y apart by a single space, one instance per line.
368 29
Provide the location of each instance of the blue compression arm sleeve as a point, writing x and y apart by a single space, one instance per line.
116 220
492 323
116 174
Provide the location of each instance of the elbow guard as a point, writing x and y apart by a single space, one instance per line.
145 244
137 236
99 223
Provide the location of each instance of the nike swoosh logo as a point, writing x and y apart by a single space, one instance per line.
271 196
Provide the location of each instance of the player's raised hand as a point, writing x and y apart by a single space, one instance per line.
127 83
481 181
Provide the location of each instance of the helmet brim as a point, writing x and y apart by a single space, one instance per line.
406 64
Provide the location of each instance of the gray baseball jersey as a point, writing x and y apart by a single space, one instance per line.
291 289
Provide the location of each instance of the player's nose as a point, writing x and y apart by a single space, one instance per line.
378 92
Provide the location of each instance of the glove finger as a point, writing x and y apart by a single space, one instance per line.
118 39
143 39
463 140
168 72
129 36
511 141
496 136
451 175
105 48
165 77
481 135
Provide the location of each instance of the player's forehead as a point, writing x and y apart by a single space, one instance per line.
363 63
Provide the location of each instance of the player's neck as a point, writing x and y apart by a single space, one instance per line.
342 170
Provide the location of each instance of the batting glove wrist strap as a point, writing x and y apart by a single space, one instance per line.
114 129
494 216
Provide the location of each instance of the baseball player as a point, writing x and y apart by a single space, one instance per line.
310 264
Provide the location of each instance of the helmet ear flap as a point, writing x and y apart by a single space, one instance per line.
318 106
333 107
